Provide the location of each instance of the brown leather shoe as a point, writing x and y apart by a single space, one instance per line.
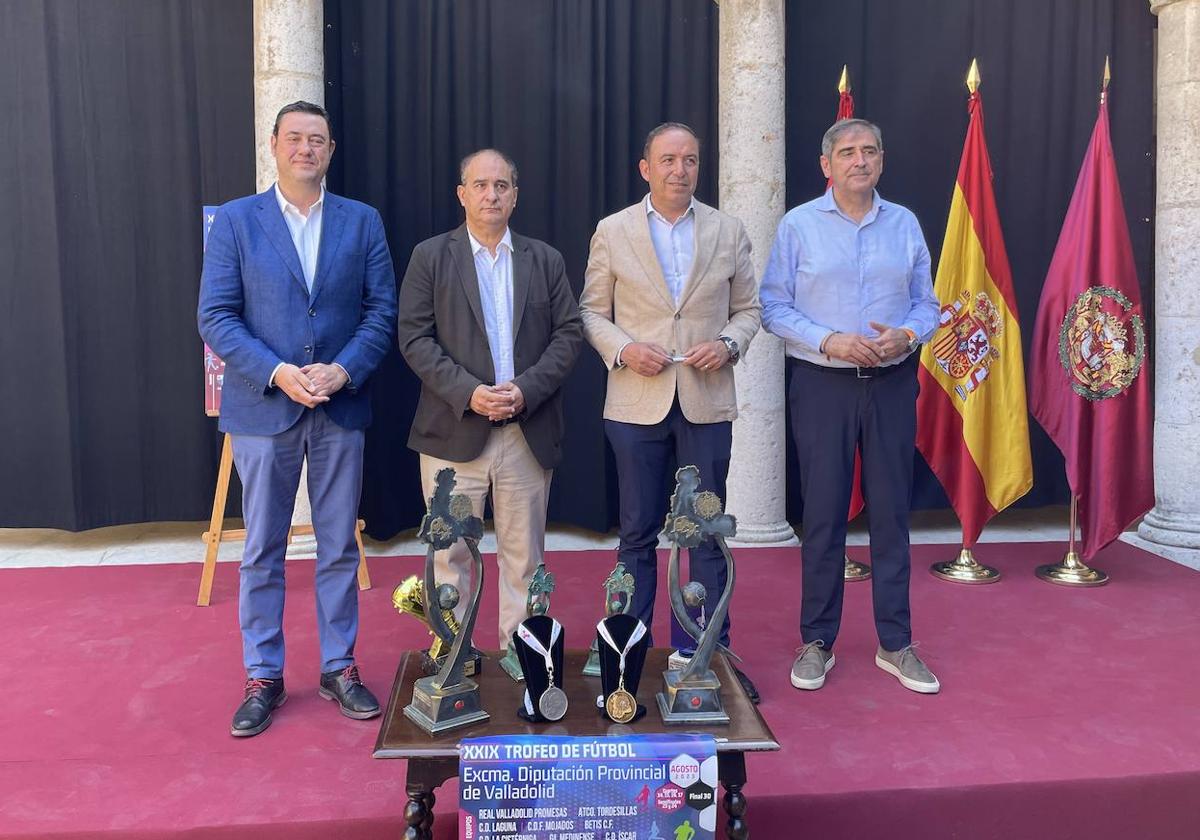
260 698
346 687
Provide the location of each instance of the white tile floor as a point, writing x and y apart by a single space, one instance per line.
180 542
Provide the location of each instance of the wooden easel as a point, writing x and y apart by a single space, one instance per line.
216 533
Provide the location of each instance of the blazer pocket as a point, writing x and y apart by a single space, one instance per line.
625 387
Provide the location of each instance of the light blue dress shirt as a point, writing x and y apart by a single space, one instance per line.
828 273
674 245
495 277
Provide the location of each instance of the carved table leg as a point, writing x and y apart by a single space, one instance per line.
424 774
731 768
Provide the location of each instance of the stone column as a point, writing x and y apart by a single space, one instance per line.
289 64
1174 523
751 185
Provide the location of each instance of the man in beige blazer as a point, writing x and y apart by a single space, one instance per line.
670 303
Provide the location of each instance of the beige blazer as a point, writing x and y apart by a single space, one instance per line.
625 298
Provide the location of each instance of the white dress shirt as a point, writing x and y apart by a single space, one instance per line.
674 245
495 277
305 230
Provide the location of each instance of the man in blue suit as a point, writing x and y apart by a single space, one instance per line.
298 296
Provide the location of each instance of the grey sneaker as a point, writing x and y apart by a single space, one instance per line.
906 666
811 665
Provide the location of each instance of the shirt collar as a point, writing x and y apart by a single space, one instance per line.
284 204
477 246
650 211
826 203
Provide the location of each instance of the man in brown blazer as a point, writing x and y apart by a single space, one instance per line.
670 303
491 327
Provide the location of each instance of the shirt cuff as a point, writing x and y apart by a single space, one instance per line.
349 381
617 363
271 381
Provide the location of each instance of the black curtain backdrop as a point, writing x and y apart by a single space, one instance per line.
1041 63
120 120
123 118
569 89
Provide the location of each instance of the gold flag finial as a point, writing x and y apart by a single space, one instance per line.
844 81
973 76
1104 82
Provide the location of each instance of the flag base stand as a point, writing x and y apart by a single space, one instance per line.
856 571
965 569
1072 572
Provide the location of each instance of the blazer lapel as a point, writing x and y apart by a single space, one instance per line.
278 234
333 222
464 260
637 228
708 229
521 280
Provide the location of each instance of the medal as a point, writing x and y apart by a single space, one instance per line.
553 703
621 706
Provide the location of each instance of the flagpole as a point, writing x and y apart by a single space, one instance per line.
852 570
965 568
1072 571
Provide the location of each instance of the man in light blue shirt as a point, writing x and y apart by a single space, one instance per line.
848 289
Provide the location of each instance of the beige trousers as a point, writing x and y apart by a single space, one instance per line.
520 490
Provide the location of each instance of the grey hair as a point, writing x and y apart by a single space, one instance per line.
466 161
842 127
663 128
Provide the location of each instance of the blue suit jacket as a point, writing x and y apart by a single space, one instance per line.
255 310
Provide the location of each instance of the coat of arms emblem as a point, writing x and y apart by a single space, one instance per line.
1102 343
964 345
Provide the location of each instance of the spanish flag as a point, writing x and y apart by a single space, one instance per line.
972 425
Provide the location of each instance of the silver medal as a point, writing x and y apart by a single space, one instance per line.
553 703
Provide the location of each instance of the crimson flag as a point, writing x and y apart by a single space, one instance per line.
1089 378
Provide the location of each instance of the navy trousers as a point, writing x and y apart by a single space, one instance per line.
644 456
269 467
831 413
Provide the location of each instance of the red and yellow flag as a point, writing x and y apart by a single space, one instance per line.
972 425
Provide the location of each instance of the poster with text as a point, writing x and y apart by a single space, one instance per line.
214 368
638 787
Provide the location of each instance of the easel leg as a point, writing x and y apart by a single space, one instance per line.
364 579
216 524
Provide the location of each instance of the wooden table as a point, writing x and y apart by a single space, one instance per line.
434 759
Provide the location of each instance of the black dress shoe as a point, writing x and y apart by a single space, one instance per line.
254 715
747 686
346 687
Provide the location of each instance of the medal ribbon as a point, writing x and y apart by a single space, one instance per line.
536 645
634 638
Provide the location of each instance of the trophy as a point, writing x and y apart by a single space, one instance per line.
409 597
448 699
618 599
692 695
537 602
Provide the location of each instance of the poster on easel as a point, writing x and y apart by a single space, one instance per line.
214 368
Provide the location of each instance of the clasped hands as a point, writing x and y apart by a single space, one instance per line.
864 351
646 358
498 402
312 384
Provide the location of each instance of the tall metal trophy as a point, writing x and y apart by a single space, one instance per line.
693 694
618 599
449 699
537 602
409 598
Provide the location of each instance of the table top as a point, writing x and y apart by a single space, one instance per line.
501 696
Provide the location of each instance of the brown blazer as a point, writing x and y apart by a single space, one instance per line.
443 339
625 298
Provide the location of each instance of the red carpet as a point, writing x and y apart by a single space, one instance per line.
1064 713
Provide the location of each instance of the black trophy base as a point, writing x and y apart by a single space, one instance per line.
471 667
696 701
437 709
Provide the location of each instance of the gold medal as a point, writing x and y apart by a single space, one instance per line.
621 705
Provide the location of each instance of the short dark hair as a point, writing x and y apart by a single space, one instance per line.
302 107
466 161
663 128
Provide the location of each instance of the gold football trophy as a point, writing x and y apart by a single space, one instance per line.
449 699
409 598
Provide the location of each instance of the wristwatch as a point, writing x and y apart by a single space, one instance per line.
732 347
913 341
